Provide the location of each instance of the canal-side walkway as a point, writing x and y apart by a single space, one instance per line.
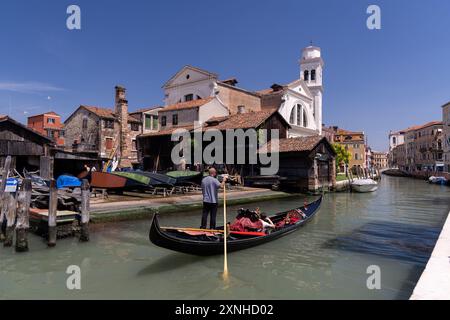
434 284
143 208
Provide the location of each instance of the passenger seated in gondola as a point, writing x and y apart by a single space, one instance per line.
291 218
247 221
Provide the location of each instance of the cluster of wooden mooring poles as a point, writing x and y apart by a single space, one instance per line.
15 212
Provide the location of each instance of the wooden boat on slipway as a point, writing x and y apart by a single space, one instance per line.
110 181
186 178
212 243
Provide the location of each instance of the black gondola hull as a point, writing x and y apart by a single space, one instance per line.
210 247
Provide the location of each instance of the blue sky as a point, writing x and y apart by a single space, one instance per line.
374 80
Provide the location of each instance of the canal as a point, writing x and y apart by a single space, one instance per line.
394 228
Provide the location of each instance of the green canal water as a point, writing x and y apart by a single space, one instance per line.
394 228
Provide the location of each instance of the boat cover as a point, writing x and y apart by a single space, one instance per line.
66 181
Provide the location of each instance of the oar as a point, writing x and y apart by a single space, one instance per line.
249 233
225 260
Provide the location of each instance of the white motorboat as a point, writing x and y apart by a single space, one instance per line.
364 185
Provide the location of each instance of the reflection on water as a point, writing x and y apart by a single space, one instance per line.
394 228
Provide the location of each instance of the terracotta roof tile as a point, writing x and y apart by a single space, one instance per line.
243 120
107 113
428 124
168 131
187 105
298 144
145 109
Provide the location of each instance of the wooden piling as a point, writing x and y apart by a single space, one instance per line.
52 213
5 174
85 210
23 216
10 213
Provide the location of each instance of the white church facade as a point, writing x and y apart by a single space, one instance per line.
299 102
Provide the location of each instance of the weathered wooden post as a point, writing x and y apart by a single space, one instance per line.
10 218
23 216
52 213
85 208
4 177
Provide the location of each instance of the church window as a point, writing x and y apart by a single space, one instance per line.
313 75
292 117
189 97
188 76
299 114
305 120
306 75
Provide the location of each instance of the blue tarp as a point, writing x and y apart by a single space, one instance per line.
67 182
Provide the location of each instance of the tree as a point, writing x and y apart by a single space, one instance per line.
342 155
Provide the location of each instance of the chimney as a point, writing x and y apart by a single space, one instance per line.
124 143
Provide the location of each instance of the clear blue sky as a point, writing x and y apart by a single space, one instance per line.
374 80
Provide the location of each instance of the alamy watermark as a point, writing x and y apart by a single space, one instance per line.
374 20
232 146
73 22
73 281
374 280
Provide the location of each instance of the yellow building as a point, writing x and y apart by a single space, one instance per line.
354 143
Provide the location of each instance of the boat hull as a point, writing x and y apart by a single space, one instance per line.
206 247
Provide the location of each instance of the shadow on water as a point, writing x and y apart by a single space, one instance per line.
168 263
399 241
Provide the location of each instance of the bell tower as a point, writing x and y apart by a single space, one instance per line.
311 71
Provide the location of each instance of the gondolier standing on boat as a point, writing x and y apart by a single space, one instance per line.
210 187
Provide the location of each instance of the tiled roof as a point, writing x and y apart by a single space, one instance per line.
348 132
168 131
298 144
101 112
187 105
106 113
243 120
429 124
145 109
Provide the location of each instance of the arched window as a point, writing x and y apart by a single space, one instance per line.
313 75
394 140
306 75
299 114
305 120
292 117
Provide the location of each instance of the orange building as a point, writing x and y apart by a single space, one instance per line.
48 124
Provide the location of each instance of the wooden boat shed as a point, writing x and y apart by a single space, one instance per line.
26 147
306 163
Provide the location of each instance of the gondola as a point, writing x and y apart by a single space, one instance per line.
186 178
206 245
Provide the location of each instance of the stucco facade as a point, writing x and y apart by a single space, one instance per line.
446 136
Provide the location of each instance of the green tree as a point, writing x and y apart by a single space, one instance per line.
342 155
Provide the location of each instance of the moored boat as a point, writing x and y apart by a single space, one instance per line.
211 244
364 185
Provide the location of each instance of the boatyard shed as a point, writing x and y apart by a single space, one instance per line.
25 146
306 163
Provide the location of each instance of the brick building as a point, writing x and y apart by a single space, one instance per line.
105 132
48 124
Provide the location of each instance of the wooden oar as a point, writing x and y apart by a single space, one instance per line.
192 229
245 233
225 227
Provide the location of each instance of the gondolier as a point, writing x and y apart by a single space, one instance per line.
210 187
